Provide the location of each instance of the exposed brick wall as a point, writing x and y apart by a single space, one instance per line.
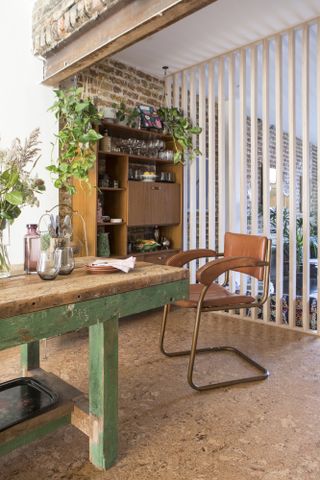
55 21
111 81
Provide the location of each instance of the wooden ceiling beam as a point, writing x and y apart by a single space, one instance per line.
135 21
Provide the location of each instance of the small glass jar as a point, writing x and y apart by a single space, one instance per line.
31 249
49 264
67 261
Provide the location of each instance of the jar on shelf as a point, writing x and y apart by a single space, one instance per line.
106 142
103 246
31 248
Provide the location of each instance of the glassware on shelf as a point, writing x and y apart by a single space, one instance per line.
134 146
49 264
67 261
31 248
166 155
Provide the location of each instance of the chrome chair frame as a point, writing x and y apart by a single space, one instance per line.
240 263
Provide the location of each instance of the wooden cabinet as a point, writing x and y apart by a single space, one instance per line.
139 204
153 203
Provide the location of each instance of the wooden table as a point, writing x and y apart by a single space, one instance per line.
32 309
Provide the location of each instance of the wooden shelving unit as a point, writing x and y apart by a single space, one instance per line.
140 205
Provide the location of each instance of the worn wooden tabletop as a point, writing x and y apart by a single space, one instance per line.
28 293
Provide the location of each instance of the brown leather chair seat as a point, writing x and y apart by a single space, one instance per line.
216 296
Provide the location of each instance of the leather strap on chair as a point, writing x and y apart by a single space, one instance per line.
182 258
212 270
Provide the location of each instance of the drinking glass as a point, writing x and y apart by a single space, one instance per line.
67 261
49 264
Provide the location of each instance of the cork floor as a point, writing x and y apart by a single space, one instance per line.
263 431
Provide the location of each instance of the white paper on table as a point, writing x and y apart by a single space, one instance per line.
125 265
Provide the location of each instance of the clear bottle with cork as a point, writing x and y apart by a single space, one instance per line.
31 248
106 142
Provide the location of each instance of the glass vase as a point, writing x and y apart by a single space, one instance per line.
4 259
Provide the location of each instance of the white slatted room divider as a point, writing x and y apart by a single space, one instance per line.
259 109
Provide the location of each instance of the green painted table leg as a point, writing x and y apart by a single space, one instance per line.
29 356
103 392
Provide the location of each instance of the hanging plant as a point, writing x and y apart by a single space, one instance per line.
76 138
182 131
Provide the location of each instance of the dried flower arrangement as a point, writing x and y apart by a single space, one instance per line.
18 187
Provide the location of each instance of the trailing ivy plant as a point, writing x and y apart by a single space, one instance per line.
76 138
182 131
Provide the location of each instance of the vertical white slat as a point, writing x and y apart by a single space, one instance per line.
254 157
202 161
231 144
305 177
184 107
231 154
193 178
292 176
279 180
176 90
168 91
221 154
211 157
318 169
243 155
265 154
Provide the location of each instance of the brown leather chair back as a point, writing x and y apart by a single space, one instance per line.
241 245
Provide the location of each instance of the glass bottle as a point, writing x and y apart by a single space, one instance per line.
106 142
156 233
31 248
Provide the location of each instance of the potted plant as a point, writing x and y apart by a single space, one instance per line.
18 187
76 138
182 131
127 116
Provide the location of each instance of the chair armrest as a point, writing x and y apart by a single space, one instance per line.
181 258
212 270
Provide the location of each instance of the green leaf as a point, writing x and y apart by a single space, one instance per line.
15 197
82 106
195 130
177 157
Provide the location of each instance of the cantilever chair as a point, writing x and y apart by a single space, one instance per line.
249 254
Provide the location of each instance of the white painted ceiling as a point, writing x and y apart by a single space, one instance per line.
218 28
